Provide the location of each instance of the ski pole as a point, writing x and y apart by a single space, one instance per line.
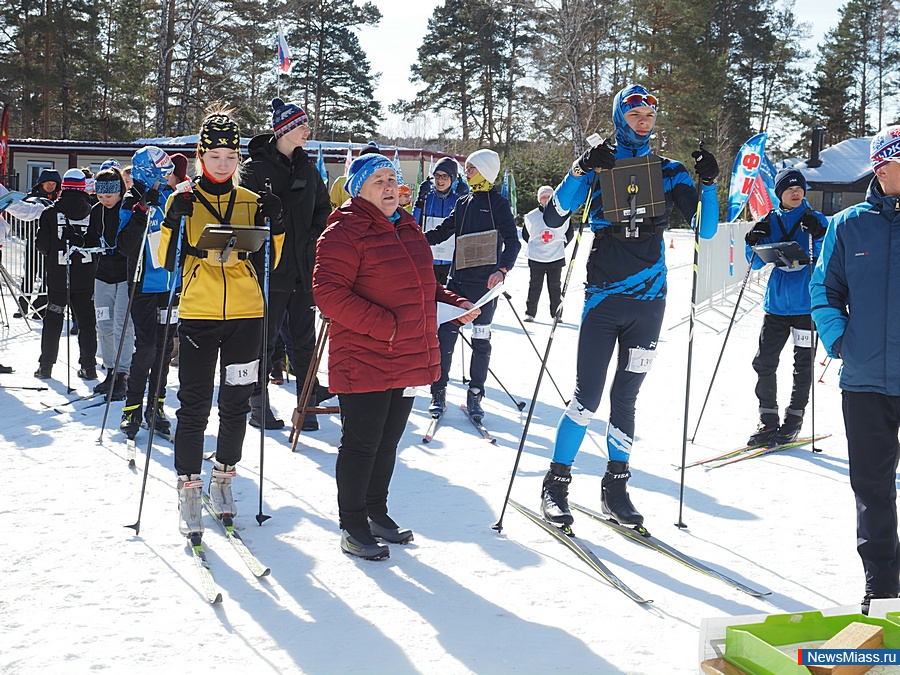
725 341
519 404
69 389
687 384
498 526
261 517
813 344
533 346
134 284
828 360
176 275
462 359
15 386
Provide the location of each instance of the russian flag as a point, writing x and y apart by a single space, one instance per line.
284 52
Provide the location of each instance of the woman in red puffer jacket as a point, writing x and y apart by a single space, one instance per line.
373 278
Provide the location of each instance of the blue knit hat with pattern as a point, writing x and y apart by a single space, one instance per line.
362 168
286 117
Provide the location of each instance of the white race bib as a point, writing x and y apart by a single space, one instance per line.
238 374
102 313
409 392
802 337
172 319
640 360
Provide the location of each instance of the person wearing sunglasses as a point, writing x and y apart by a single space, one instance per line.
625 299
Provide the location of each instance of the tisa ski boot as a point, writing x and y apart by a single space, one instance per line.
438 402
221 500
473 404
767 428
163 425
362 544
384 527
788 432
131 420
615 502
190 510
555 495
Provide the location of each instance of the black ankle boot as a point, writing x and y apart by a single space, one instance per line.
555 495
614 499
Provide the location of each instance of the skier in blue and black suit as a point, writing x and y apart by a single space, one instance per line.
624 302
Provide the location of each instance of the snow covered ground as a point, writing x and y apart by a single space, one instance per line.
81 593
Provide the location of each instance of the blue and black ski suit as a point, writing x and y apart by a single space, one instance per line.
625 296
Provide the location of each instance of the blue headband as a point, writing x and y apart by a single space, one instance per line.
108 187
362 168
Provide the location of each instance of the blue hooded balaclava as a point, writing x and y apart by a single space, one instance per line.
150 164
632 96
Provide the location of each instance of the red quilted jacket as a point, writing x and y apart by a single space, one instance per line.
374 280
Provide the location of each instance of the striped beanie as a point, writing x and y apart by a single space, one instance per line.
286 117
885 146
74 179
362 168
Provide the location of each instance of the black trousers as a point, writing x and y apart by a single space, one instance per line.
82 305
481 338
149 346
775 332
872 422
539 271
371 427
236 345
301 320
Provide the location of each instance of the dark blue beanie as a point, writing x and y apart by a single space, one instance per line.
787 178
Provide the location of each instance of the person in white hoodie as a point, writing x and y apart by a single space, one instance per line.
546 255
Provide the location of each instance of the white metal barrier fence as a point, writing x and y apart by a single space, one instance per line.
21 260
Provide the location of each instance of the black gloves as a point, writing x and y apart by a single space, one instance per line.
706 166
424 189
182 205
811 225
760 230
601 156
270 207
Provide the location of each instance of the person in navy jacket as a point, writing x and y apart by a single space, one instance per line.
787 307
855 291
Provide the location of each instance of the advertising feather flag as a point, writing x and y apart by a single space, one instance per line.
744 174
348 161
397 167
320 165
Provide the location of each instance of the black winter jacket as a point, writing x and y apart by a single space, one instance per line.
306 205
110 267
65 223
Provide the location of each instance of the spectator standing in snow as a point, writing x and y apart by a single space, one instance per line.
855 289
437 197
546 255
372 278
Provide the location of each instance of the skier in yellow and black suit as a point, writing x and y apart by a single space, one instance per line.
221 316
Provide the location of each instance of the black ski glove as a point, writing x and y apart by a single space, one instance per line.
705 166
761 229
812 225
270 207
601 156
182 205
424 189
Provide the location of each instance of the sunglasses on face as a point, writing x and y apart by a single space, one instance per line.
641 99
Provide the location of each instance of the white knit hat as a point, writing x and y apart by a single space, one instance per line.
544 189
487 162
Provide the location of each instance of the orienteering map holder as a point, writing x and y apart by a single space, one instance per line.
783 254
633 191
223 240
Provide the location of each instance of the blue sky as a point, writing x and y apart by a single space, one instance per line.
392 46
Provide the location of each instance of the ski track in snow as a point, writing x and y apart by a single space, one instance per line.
81 592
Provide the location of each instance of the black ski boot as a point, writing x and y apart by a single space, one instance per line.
44 371
473 404
120 387
438 401
614 499
767 428
256 414
362 544
131 420
384 527
104 386
868 597
163 425
555 495
788 432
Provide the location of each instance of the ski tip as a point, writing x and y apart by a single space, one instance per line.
215 599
